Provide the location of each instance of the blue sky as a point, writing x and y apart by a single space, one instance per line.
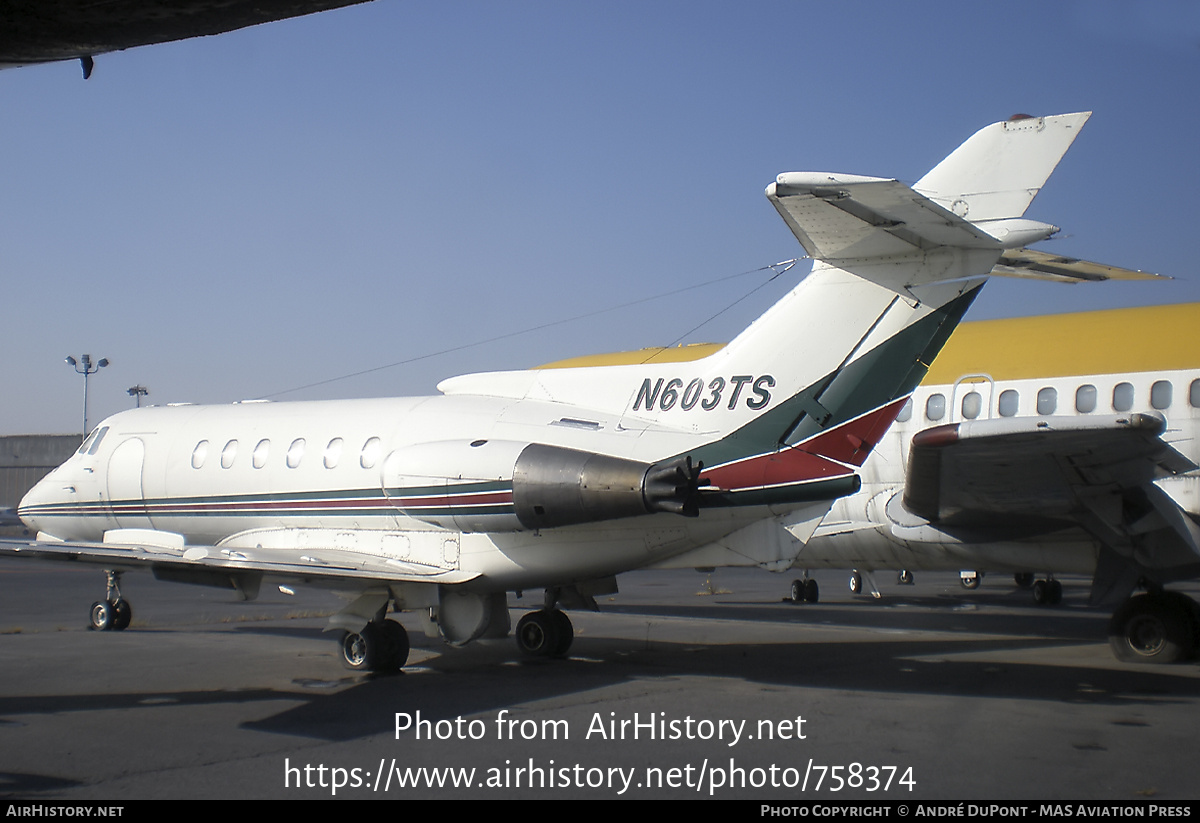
241 215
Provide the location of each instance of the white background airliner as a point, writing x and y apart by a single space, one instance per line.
1039 445
561 479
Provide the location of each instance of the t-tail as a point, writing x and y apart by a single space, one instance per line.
794 404
824 372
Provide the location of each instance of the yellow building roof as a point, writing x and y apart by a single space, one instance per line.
1151 338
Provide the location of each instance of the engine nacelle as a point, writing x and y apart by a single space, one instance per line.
499 485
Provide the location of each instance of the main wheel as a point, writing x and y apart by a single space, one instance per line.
1024 580
855 583
1041 592
538 634
812 592
123 613
102 615
1055 593
395 647
1151 629
566 633
797 591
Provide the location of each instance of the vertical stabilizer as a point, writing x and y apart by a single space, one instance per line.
996 174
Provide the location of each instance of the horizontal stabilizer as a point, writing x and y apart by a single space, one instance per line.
848 217
1040 265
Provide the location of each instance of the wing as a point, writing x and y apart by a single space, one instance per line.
289 555
1096 472
37 32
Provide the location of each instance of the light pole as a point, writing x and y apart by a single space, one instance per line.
139 391
86 367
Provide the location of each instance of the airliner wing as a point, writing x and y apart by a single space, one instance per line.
242 568
38 32
1043 474
1033 467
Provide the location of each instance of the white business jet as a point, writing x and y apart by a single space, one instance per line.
561 479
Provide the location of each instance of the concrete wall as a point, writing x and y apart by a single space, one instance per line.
27 458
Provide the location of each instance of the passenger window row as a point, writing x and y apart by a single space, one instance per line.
1087 398
368 455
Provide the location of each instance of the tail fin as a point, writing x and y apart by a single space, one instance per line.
896 269
996 174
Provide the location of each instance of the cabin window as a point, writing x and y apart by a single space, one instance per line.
228 454
1160 394
370 453
1009 402
1194 394
1047 400
261 452
1123 397
295 452
935 407
199 453
333 452
972 405
1085 398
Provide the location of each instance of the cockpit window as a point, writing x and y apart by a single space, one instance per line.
87 442
95 447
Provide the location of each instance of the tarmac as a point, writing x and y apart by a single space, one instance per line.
684 685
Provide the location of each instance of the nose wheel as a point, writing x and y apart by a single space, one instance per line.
113 613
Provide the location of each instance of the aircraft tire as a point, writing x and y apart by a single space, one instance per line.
359 649
395 646
856 583
102 616
812 592
1024 580
1054 594
1041 592
797 591
538 634
971 582
123 614
566 633
1151 628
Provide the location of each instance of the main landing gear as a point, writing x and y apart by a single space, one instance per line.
545 633
113 612
1047 592
1155 627
805 590
381 646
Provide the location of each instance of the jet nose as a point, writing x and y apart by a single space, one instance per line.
41 501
